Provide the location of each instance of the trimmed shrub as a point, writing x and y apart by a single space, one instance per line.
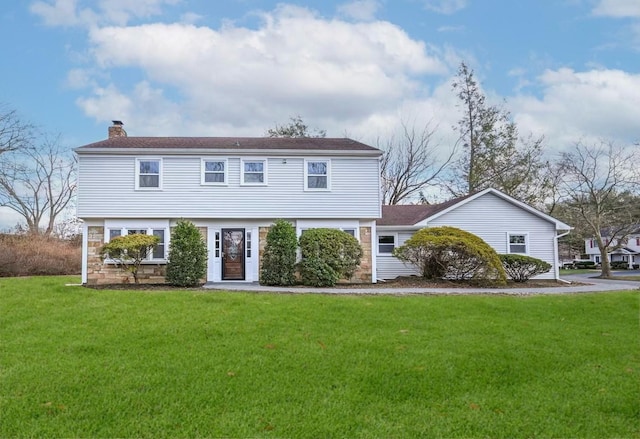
449 252
128 251
521 268
584 264
279 259
317 273
187 263
619 265
327 256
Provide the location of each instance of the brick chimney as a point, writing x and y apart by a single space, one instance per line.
116 129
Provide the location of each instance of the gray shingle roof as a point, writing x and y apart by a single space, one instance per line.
410 214
231 143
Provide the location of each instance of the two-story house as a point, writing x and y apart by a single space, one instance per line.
231 188
628 251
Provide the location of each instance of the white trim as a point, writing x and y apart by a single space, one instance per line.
85 251
306 175
526 243
377 244
264 160
125 225
374 258
160 172
203 172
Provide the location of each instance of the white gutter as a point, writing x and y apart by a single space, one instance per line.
557 255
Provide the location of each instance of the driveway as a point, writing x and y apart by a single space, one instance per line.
594 285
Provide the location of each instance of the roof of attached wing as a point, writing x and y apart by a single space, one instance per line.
411 215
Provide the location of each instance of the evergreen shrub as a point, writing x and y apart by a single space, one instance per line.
187 264
279 259
521 268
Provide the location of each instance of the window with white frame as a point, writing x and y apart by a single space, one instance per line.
351 231
159 252
148 173
386 244
518 243
316 175
254 172
214 171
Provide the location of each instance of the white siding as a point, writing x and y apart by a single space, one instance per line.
107 189
390 267
491 218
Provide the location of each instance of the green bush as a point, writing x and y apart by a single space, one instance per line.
327 256
584 264
279 259
128 251
448 252
619 265
317 273
521 268
187 263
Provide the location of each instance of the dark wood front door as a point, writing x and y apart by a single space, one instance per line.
232 254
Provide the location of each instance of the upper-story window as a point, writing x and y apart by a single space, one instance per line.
254 172
214 171
148 173
317 174
518 243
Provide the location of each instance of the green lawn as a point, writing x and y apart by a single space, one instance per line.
77 362
564 271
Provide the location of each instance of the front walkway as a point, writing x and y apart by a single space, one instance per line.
594 285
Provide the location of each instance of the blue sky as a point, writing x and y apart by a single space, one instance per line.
566 69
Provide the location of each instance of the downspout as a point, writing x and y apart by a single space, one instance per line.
555 250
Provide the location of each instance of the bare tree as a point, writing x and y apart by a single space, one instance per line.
599 183
14 133
410 164
38 182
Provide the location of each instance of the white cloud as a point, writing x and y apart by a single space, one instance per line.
362 10
617 8
445 6
596 104
331 71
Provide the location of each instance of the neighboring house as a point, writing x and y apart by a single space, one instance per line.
628 252
506 224
232 189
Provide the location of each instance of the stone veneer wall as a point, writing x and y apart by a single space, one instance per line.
100 273
363 273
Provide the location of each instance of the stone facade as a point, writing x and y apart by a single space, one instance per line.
363 274
101 273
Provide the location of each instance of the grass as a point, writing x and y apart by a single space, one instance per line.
77 362
564 271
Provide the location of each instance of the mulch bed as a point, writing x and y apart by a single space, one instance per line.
400 282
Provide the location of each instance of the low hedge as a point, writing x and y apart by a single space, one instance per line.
521 268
